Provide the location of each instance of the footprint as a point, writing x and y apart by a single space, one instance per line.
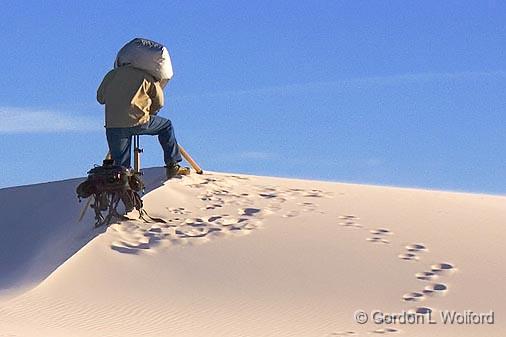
408 257
246 225
422 310
226 221
413 297
249 211
316 194
307 206
385 331
268 195
195 222
237 177
220 192
192 232
296 190
426 276
179 210
443 268
381 231
351 224
205 181
376 239
412 249
348 217
210 197
435 289
416 247
213 206
349 221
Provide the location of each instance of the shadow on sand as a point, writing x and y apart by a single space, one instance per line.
39 230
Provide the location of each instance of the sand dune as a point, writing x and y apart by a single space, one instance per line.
251 256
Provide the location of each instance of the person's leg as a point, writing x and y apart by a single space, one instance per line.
120 142
163 128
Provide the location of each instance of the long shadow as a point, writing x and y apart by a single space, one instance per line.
153 178
39 230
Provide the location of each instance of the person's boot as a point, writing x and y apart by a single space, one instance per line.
175 170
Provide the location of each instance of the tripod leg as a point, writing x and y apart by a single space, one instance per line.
84 209
113 203
190 160
137 154
98 213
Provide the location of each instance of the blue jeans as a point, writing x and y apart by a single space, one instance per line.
120 140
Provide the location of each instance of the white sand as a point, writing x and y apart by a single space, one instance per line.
250 256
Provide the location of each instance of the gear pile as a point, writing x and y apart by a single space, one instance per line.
108 185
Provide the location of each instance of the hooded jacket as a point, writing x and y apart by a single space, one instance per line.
130 96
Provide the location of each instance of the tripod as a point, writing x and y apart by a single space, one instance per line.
138 150
137 157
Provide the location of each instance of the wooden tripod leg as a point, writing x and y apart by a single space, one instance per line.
190 160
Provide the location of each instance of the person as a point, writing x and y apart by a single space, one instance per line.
132 98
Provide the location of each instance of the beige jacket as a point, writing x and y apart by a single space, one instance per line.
130 96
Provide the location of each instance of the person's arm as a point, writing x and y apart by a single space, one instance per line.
157 98
101 90
100 93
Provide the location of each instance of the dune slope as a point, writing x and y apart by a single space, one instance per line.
251 256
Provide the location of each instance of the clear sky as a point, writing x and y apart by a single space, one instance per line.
405 93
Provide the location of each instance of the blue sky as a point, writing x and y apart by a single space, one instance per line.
398 93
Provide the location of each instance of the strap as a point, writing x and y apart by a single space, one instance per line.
143 215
